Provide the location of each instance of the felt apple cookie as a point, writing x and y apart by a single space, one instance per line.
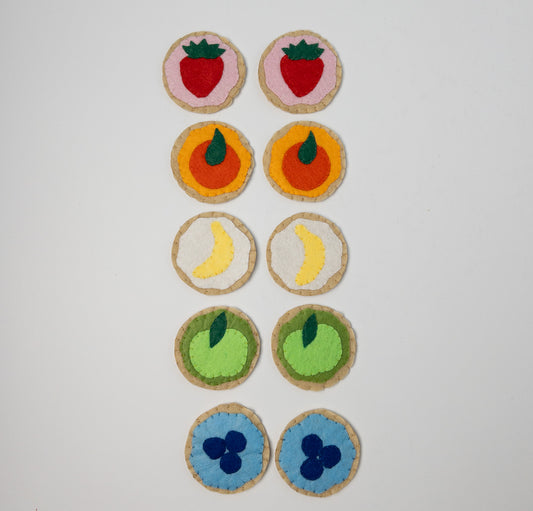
203 72
305 161
313 346
212 161
217 348
300 72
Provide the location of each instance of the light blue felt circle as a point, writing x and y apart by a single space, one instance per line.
218 425
291 455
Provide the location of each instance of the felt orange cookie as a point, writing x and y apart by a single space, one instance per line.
305 161
203 72
212 161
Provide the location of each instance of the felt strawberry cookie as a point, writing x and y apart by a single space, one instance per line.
217 348
307 254
300 72
305 161
214 253
313 346
227 449
318 453
203 72
212 161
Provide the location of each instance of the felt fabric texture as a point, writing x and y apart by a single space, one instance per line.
215 152
322 358
321 473
302 76
227 472
230 359
314 255
218 329
297 179
221 256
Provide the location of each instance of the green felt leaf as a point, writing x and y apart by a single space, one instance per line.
309 330
203 50
303 51
218 329
216 150
307 151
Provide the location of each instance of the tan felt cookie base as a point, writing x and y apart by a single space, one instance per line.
232 93
251 259
333 280
229 408
299 109
268 153
216 199
197 381
339 375
353 437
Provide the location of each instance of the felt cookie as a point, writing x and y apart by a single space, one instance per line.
227 449
212 161
307 254
214 253
305 161
217 348
313 346
203 72
318 453
300 72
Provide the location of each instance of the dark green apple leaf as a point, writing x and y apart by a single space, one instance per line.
309 330
218 329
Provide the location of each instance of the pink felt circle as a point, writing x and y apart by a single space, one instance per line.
219 94
275 82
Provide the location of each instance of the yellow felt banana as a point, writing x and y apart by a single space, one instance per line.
314 255
221 255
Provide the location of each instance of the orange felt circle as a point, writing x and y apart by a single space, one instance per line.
214 176
305 177
296 135
236 152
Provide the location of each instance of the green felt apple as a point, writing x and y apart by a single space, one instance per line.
219 351
314 349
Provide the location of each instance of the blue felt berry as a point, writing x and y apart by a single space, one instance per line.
329 455
230 463
311 445
214 447
311 469
235 441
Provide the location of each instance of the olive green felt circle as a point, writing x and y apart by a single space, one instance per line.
217 348
313 346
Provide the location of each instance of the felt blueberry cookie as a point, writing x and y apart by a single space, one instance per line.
214 253
305 161
203 72
217 348
318 453
212 161
300 72
313 346
307 254
227 449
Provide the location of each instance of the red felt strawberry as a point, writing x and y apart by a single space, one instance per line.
302 67
202 68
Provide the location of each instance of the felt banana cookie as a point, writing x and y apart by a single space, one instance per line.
203 72
212 161
318 453
214 253
227 449
305 161
300 72
313 346
217 348
307 254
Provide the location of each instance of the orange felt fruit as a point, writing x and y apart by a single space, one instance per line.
303 176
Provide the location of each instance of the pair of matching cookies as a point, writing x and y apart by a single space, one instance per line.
228 451
299 72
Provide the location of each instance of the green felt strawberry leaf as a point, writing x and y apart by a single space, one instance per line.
203 50
216 150
303 51
307 151
218 329
309 330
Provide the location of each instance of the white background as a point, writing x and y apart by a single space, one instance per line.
436 114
